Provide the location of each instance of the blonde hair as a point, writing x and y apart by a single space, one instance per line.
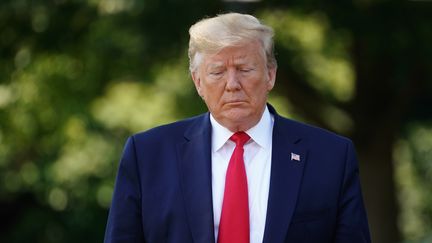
210 35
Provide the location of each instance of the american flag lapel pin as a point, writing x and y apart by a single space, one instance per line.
295 157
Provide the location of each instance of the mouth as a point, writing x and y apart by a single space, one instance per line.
235 102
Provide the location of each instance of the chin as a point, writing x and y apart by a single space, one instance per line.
238 112
239 116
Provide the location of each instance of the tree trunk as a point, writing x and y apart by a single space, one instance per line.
376 172
377 115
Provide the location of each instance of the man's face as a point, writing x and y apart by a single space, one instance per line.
234 84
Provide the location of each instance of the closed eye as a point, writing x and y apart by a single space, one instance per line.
246 70
216 73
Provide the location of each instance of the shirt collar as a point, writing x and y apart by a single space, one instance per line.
261 133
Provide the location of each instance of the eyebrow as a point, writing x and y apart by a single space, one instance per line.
239 62
215 65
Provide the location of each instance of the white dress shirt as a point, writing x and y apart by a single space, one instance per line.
257 157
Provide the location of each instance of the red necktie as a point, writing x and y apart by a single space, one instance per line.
234 222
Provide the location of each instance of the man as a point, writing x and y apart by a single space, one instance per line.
240 173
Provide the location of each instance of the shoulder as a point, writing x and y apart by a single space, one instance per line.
303 131
325 149
310 134
172 131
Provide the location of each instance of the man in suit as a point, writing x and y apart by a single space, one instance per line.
239 173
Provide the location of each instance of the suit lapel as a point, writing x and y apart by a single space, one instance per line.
286 174
195 173
288 162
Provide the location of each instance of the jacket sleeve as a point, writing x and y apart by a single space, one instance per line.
124 220
352 223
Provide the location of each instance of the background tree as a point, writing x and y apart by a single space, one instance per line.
362 69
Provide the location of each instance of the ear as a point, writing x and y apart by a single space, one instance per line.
271 75
197 82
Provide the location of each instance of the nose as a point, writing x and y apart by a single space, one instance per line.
233 82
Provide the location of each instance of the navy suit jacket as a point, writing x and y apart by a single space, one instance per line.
163 187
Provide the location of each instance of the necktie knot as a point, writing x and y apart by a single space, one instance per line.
240 138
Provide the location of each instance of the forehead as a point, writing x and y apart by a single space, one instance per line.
239 54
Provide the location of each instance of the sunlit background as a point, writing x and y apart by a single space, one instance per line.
77 77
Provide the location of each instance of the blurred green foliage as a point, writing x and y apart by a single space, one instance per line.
77 77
